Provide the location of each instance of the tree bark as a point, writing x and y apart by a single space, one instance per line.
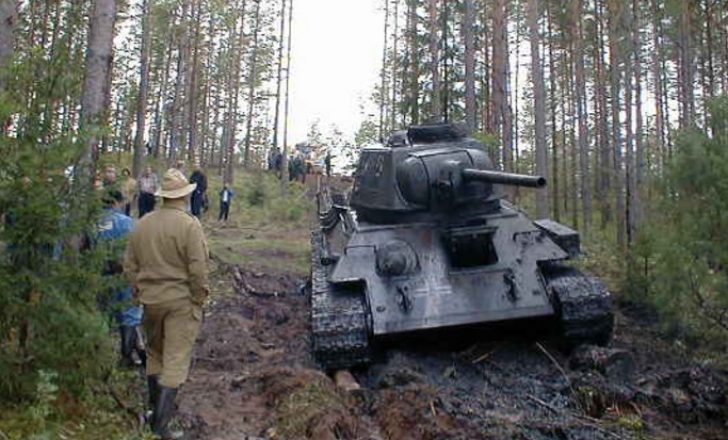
99 59
539 107
383 94
252 82
581 109
615 58
141 109
436 98
8 21
413 63
470 104
284 164
279 74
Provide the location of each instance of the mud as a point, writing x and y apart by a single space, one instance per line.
253 378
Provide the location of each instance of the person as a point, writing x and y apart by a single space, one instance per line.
148 186
226 196
198 195
271 158
109 176
113 228
291 168
327 163
128 190
278 163
166 263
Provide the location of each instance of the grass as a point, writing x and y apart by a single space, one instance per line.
268 226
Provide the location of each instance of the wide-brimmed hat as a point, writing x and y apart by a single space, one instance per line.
175 185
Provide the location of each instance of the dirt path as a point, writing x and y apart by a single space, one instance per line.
253 378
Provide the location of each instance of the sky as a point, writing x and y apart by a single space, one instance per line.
336 58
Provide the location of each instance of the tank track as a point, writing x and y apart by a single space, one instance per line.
584 306
339 317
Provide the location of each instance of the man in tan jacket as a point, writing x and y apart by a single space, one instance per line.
166 263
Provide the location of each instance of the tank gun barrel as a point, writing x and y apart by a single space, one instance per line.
487 176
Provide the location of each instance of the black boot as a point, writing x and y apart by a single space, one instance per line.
153 392
128 341
153 388
163 410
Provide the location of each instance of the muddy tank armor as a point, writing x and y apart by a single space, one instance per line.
426 242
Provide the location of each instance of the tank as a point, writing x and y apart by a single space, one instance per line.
425 242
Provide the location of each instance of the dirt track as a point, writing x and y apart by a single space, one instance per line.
253 378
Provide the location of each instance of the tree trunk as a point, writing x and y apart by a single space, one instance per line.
279 73
436 98
8 21
539 107
231 120
413 63
640 165
98 67
252 80
141 109
687 74
555 180
615 57
604 145
284 164
394 102
468 25
193 92
657 78
581 114
383 94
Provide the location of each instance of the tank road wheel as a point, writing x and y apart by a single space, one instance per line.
584 306
339 317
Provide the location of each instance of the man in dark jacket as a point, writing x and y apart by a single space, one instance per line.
198 195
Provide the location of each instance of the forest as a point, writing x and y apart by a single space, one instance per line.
622 105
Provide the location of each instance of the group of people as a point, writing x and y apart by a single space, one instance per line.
142 191
298 167
164 259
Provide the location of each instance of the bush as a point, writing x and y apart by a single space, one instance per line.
680 262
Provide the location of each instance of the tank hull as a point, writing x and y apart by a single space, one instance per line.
439 294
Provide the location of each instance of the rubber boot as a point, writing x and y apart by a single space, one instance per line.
153 392
163 411
128 340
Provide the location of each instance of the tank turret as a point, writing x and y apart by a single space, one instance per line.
429 172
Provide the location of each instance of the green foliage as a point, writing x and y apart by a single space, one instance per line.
680 261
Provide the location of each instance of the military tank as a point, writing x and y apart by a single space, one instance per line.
425 242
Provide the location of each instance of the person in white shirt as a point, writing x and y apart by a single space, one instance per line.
226 195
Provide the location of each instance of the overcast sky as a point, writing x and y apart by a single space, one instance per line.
335 63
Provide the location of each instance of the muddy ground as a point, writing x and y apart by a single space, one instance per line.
253 378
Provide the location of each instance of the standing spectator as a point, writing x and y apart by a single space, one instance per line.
112 230
128 190
327 163
109 176
198 195
226 196
278 163
291 168
148 186
271 158
166 262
